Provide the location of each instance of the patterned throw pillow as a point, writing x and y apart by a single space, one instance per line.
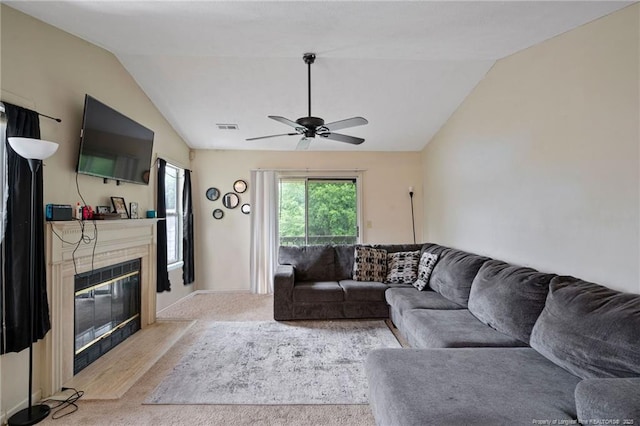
427 262
369 264
402 267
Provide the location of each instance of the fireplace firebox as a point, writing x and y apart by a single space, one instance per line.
107 310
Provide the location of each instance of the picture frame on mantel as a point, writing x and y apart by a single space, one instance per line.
120 207
133 210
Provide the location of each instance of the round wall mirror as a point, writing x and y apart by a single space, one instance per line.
218 214
246 208
213 194
230 200
239 186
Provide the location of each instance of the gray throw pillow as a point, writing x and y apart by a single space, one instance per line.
402 267
369 264
425 267
590 330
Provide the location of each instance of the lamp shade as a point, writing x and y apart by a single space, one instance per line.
33 149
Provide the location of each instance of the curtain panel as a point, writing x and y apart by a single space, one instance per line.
162 274
188 270
15 246
264 230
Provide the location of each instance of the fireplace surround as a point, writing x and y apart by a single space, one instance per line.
117 241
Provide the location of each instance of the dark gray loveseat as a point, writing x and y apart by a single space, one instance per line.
315 282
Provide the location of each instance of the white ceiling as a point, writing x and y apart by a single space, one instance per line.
405 66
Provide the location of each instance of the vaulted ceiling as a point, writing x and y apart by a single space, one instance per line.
405 66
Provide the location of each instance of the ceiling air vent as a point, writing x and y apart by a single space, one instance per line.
227 126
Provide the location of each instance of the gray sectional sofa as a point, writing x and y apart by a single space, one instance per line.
491 343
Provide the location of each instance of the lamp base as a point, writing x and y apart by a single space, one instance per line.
30 416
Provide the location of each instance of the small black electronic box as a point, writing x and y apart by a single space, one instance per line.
58 212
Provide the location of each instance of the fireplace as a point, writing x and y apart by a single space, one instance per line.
107 310
119 241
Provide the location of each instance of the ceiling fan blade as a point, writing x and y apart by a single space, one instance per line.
303 144
272 136
285 121
343 138
343 124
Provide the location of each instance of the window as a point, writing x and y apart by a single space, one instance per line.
173 183
320 210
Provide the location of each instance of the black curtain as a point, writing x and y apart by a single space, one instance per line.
188 270
15 247
162 273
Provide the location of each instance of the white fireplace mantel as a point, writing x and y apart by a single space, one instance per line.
117 241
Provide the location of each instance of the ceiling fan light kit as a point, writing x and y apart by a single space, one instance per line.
311 127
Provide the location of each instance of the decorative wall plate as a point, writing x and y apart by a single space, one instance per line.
239 186
245 208
230 200
213 194
218 214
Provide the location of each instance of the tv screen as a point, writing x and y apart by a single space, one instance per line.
113 146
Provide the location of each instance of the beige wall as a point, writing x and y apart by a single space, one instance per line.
539 166
49 70
222 246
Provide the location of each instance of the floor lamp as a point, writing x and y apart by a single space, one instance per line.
34 151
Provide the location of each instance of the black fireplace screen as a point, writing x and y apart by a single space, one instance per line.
107 310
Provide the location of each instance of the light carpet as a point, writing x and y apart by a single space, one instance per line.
268 362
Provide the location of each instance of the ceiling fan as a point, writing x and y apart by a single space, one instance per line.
310 127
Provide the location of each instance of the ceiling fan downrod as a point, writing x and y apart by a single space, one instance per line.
309 58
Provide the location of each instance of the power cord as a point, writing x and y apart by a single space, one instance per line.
84 237
60 409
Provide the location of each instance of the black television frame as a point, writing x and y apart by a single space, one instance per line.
90 104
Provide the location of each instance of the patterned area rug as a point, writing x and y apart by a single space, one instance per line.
262 363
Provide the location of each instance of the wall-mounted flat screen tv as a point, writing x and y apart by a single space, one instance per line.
113 146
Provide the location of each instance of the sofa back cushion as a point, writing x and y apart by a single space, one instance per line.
395 248
509 298
311 263
589 330
344 261
453 274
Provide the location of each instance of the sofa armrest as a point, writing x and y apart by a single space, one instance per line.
283 282
608 399
284 278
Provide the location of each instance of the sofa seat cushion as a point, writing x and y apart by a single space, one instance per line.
490 386
428 328
454 273
509 298
591 330
359 291
318 291
311 263
406 298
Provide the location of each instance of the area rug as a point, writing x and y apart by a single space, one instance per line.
268 362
